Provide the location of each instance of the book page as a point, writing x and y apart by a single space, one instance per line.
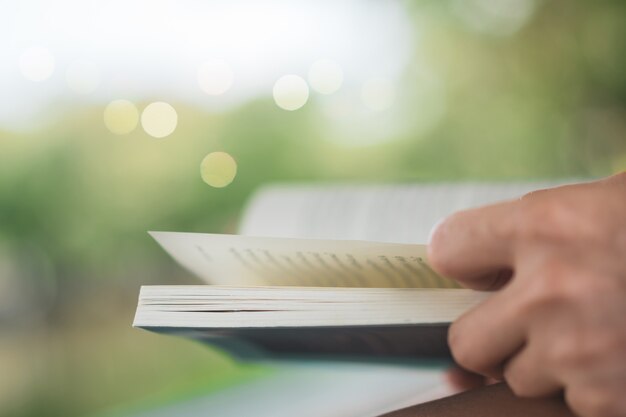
383 213
245 260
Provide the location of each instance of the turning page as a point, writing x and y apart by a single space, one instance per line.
382 213
245 260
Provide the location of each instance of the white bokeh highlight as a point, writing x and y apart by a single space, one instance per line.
37 64
215 77
290 92
325 76
158 54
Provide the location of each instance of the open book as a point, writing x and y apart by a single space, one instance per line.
338 272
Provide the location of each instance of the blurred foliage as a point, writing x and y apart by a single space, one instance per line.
76 201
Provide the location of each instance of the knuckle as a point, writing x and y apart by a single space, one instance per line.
552 287
562 215
539 217
555 281
558 286
564 353
582 350
599 347
571 351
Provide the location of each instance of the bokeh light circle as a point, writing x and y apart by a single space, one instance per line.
82 76
218 169
325 76
159 119
215 77
290 92
378 94
37 64
121 117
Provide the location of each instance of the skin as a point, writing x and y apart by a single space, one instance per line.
556 323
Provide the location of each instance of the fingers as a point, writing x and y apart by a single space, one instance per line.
473 246
601 399
461 380
486 336
527 373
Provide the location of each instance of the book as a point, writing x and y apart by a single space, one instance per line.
330 272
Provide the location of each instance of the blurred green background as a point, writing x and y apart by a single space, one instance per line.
482 90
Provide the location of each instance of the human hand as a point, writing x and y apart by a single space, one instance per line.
460 380
557 259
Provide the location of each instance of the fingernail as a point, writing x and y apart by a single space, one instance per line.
434 229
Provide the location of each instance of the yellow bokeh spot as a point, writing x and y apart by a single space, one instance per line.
218 169
121 117
159 119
